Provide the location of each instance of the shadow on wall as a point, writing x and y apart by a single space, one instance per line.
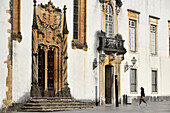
24 98
16 105
96 42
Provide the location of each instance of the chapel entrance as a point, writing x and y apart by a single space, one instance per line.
49 52
108 83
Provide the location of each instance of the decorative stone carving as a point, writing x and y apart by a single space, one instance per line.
50 33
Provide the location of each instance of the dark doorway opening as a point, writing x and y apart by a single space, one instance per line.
41 70
108 83
50 78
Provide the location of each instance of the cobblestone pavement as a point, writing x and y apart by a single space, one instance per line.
152 107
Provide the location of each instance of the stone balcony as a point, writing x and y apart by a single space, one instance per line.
111 45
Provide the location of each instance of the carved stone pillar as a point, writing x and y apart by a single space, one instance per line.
60 74
35 91
46 72
56 63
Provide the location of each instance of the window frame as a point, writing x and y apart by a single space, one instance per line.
135 84
109 32
153 31
80 32
156 81
153 21
132 49
133 15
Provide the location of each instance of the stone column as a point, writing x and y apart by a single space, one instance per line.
101 95
116 63
35 91
60 73
56 63
102 82
46 72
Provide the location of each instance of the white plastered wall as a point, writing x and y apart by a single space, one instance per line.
22 55
81 77
4 25
145 61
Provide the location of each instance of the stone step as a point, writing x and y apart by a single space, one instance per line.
53 98
48 109
43 100
54 107
56 104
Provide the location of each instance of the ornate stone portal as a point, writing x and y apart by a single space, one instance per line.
49 52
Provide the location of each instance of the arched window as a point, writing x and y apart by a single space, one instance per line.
109 21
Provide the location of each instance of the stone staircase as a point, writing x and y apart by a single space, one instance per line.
49 104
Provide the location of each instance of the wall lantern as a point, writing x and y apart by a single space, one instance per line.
126 66
101 60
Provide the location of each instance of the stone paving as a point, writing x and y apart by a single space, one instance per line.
152 107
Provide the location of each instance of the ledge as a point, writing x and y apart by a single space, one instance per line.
133 11
154 17
17 37
76 44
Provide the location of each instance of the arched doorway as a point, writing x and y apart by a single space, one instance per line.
108 83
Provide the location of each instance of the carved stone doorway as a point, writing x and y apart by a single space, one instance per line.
49 52
108 83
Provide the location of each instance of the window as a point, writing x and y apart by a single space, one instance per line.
153 34
16 20
153 39
133 23
132 35
109 21
133 80
79 25
154 81
76 17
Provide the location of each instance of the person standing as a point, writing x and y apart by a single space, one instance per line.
142 96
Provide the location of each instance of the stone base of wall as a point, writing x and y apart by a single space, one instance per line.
12 108
152 98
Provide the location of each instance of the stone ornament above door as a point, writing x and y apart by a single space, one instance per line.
50 22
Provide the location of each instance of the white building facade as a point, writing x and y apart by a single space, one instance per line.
143 25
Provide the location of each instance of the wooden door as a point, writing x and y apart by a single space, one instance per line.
50 78
108 83
41 70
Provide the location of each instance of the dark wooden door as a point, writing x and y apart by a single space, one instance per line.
50 78
41 70
108 83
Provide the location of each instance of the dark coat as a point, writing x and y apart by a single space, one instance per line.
142 93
